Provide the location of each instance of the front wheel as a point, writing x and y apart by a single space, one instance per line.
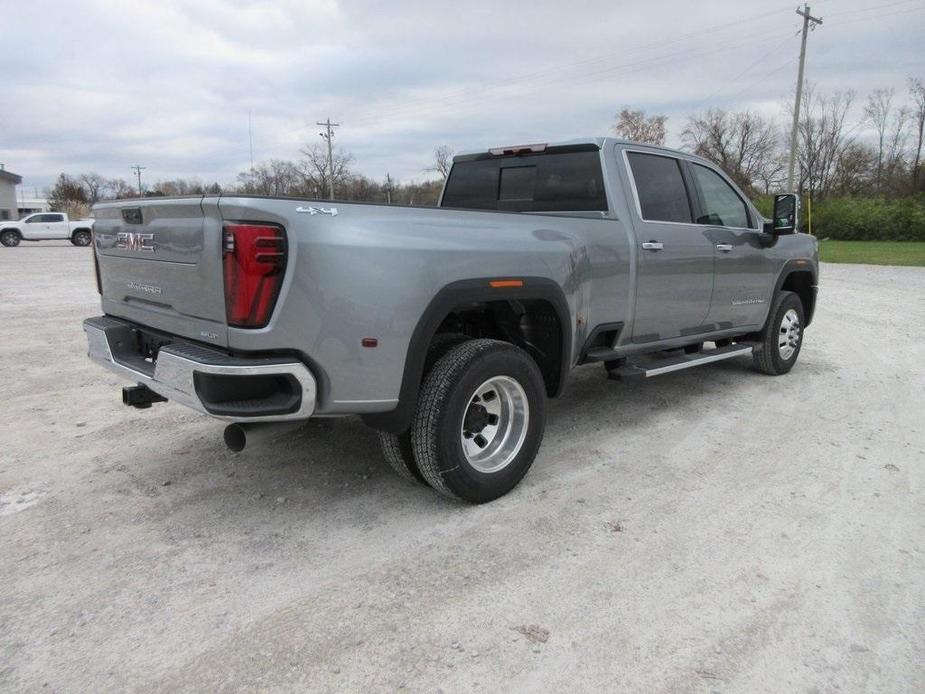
782 336
81 238
10 238
479 420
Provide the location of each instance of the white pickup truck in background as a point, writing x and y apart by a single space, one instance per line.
46 226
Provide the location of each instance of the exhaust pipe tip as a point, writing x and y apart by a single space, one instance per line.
235 438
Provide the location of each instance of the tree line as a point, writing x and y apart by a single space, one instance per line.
833 162
307 177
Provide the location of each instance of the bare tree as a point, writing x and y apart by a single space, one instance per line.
772 174
854 169
118 189
95 187
894 156
635 125
917 91
443 160
744 144
274 177
877 113
180 186
823 140
314 167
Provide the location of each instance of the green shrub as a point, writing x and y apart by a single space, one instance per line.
860 219
870 219
765 204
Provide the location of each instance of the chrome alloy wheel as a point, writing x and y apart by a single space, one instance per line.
495 424
789 338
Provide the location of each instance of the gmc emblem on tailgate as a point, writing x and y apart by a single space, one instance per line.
135 242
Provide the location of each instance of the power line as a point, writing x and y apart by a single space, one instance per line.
881 16
747 70
586 77
875 8
466 94
787 63
809 23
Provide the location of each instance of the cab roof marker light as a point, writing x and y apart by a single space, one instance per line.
518 149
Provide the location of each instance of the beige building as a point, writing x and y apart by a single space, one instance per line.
28 204
9 209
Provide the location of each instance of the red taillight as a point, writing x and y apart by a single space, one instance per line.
254 262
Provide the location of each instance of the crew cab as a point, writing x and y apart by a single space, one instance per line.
46 226
446 329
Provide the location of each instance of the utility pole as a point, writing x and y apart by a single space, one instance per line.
328 135
388 187
809 24
138 168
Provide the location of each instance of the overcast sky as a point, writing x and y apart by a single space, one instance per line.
103 84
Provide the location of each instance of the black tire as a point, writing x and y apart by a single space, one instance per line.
10 238
397 451
779 347
444 404
81 237
396 448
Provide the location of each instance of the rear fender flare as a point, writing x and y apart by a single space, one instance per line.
449 298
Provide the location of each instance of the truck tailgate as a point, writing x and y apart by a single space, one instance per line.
160 265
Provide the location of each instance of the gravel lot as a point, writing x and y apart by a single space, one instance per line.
711 530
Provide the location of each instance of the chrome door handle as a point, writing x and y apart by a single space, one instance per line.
652 246
725 247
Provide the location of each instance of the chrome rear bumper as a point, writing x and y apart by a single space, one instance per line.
180 365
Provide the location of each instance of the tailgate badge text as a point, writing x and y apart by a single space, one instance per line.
317 210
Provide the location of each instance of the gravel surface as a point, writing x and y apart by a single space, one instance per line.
710 530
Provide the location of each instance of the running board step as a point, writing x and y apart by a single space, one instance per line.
684 361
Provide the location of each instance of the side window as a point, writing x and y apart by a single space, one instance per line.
722 205
54 217
35 219
660 187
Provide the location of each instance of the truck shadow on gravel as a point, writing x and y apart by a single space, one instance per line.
334 461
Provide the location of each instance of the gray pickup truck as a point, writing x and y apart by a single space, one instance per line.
447 328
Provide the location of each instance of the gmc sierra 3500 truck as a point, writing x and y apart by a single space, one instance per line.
447 328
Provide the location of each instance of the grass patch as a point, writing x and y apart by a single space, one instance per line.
873 252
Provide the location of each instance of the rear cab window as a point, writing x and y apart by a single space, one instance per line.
660 188
568 179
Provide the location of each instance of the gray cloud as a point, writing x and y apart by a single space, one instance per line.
99 85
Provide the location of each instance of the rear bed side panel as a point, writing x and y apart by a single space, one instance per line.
371 271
